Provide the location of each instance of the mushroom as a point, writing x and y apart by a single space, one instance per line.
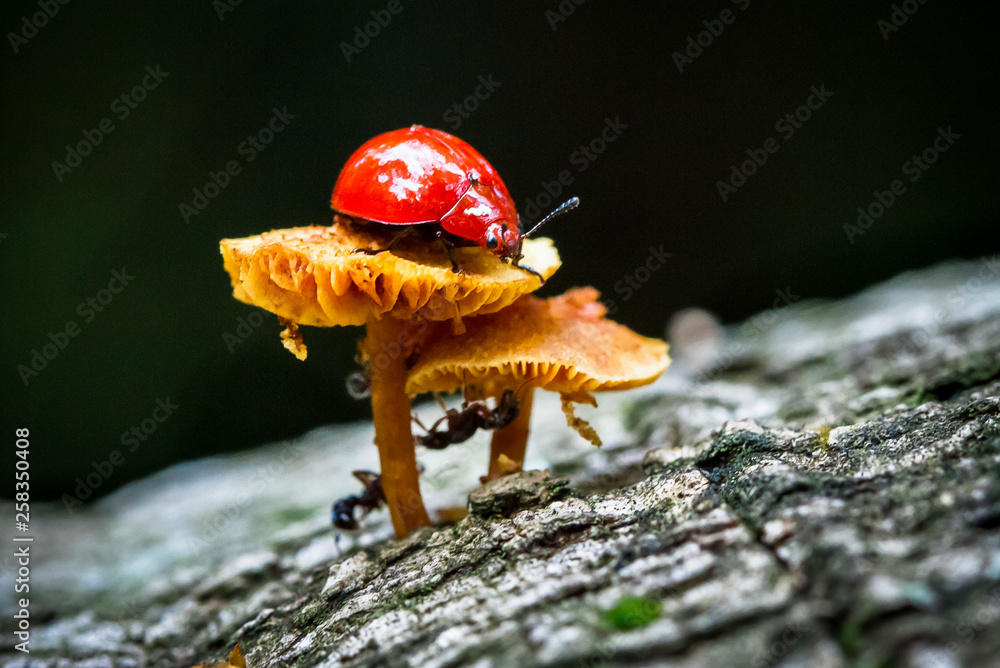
312 276
563 344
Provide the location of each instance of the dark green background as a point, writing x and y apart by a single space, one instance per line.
163 336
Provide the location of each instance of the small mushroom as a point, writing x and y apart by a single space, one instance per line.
563 344
312 276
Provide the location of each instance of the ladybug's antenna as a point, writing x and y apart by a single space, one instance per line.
568 205
516 254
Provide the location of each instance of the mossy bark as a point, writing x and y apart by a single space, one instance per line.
822 491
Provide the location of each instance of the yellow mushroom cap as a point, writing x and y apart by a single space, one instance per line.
563 344
311 276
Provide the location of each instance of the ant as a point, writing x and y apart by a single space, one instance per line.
474 415
370 499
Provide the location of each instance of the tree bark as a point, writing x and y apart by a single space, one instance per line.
820 490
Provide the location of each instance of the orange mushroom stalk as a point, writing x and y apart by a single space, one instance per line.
563 344
312 276
509 445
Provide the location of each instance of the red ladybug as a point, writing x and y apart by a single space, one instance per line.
417 176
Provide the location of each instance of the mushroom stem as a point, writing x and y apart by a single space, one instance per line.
385 349
509 444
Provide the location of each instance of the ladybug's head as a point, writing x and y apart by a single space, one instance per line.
503 240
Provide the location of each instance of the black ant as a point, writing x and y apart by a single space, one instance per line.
507 410
370 499
474 415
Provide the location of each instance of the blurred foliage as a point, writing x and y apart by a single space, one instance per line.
632 612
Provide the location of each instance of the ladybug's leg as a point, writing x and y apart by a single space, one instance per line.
402 234
531 271
448 245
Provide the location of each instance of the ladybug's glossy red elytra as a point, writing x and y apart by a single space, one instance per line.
419 176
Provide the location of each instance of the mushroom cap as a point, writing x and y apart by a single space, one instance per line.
312 276
563 344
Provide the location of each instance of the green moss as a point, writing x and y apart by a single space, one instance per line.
850 637
917 398
731 448
309 613
671 468
632 612
559 489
